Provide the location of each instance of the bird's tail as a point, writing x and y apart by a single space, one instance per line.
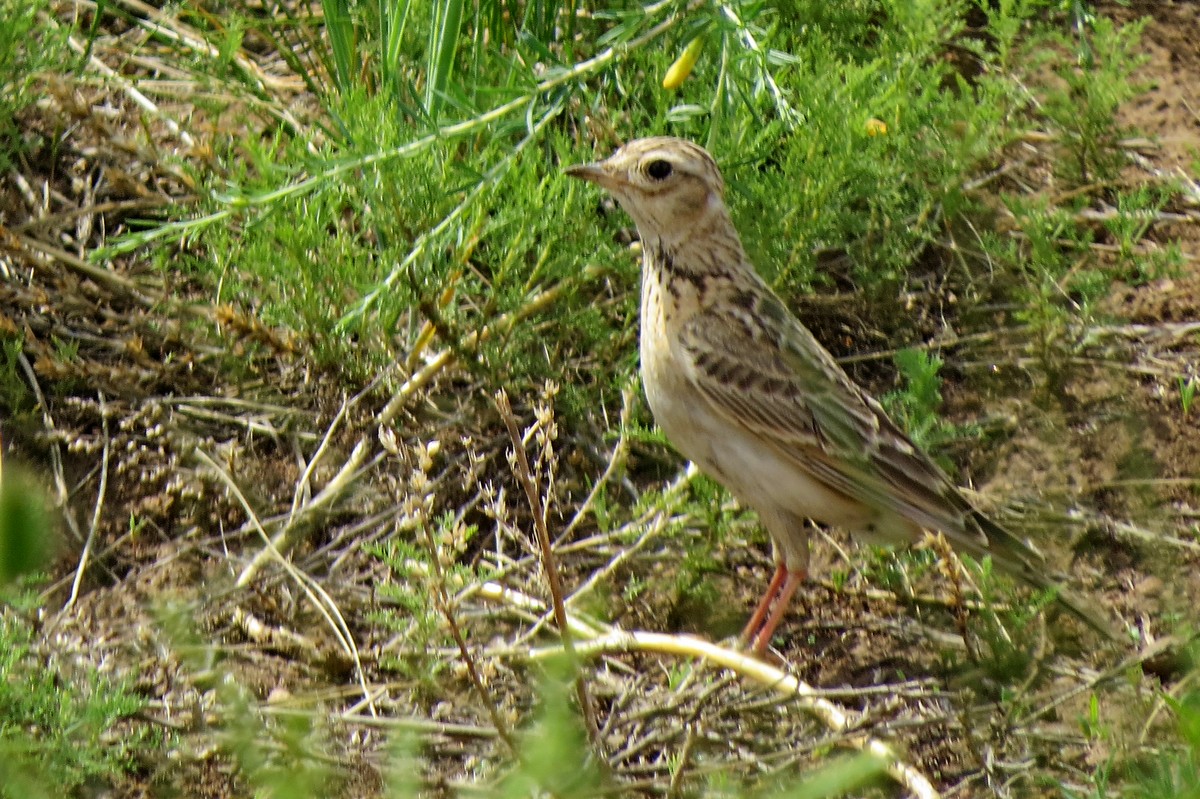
1018 558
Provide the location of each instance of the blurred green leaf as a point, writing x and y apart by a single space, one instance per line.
26 540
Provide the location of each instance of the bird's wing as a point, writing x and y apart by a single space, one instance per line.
765 372
762 370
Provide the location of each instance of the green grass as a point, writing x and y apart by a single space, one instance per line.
27 47
60 730
402 205
61 726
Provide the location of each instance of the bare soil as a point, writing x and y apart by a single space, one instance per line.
145 437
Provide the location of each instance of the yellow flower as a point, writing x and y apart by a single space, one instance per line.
682 67
876 127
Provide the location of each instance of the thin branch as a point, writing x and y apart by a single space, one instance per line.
616 460
809 699
97 511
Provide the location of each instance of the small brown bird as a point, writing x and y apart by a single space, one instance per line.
745 391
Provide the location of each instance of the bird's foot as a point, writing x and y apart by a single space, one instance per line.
771 608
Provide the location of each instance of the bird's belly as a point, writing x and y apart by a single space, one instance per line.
746 464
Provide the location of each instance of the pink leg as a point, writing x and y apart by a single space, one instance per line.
763 639
764 605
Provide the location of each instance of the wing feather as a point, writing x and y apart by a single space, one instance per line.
762 370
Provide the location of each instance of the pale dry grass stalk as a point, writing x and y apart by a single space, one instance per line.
324 604
418 501
101 494
616 461
524 474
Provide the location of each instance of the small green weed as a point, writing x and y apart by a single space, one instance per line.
1187 393
15 396
1172 769
916 405
1004 630
412 590
1093 725
1135 214
1082 109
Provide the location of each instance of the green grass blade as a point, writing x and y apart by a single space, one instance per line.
443 46
339 26
393 19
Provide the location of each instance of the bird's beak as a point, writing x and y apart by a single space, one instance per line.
597 173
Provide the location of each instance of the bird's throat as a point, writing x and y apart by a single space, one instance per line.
690 275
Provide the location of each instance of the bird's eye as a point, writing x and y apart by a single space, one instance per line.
659 169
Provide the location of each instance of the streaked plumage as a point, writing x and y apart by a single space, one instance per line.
745 391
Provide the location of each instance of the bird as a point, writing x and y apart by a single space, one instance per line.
745 391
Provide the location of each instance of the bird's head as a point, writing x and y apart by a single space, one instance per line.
671 187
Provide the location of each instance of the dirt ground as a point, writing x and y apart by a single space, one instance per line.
144 436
